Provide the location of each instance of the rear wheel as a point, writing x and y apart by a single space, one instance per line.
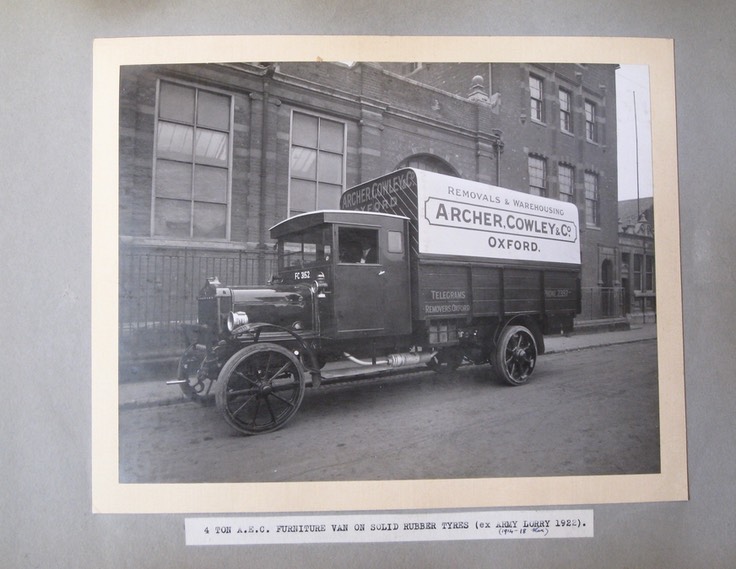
516 355
260 388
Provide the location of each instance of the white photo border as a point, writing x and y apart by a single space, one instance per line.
110 496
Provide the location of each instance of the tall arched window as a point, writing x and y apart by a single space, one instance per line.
430 163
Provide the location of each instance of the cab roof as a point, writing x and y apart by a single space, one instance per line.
313 218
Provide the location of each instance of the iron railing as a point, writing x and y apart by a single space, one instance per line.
158 292
602 302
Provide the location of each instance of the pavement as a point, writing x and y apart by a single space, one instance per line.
153 391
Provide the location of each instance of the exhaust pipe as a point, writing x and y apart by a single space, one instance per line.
396 360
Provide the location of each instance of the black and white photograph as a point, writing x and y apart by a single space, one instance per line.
386 271
368 284
422 235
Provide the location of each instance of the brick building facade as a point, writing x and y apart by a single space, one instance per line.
213 155
636 242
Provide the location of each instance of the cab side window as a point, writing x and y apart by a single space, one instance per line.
395 242
358 245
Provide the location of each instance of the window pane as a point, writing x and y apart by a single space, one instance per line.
172 218
537 110
589 112
174 141
535 86
176 102
210 184
591 186
304 163
537 176
291 254
213 110
592 214
566 187
173 180
358 245
590 121
317 154
565 111
395 242
564 100
305 130
649 284
315 245
330 168
331 136
536 172
536 92
211 146
209 220
565 179
329 196
192 163
566 122
429 163
303 196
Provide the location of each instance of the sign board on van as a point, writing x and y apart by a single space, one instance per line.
456 217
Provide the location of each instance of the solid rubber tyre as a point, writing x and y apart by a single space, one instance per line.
515 355
260 388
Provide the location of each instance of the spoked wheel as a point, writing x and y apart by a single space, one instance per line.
195 383
260 388
516 355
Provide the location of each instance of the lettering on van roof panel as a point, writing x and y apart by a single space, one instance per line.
395 194
460 217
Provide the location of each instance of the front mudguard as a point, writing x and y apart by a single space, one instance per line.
308 356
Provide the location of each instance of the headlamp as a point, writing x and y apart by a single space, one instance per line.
236 319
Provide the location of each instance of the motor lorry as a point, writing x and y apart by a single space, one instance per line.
415 269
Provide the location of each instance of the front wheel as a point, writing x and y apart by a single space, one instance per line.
260 388
516 355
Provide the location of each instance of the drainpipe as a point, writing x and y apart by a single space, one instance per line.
498 145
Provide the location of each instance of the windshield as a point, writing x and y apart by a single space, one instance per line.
304 249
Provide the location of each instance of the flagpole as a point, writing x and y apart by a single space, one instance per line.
636 139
